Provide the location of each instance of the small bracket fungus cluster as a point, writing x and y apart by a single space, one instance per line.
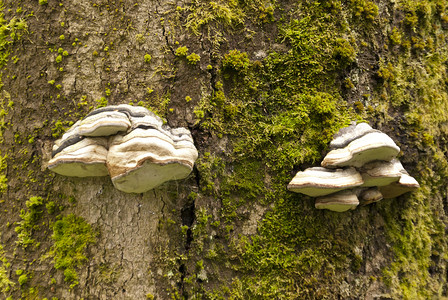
129 143
361 168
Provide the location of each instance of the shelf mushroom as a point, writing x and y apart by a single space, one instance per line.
320 181
405 184
129 143
348 134
369 195
146 158
381 173
84 158
370 147
104 123
360 168
339 202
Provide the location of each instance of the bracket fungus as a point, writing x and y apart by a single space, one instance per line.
381 173
104 123
83 158
405 184
360 168
145 158
370 147
369 195
130 143
340 201
320 181
348 134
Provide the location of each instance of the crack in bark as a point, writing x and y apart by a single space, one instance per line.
166 40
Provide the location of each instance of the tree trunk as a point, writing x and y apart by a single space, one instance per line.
263 86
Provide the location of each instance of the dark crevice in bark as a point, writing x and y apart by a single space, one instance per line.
180 284
188 216
212 72
166 40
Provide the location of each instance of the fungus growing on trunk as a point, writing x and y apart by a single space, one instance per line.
405 184
362 165
320 181
348 134
84 158
146 158
381 173
370 195
370 147
104 124
131 144
339 202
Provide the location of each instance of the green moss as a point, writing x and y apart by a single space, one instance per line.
71 236
364 10
210 166
226 13
5 282
414 253
181 51
147 58
236 60
278 115
344 52
3 177
149 296
204 13
387 72
9 33
51 207
140 38
193 58
28 224
60 127
245 185
415 84
43 2
395 36
102 102
158 103
23 279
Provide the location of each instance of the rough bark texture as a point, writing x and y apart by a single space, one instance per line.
263 85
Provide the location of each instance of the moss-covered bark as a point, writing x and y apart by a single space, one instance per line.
263 85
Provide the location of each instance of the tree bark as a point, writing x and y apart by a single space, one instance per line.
262 85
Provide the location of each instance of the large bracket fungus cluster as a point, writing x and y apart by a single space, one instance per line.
129 143
361 168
